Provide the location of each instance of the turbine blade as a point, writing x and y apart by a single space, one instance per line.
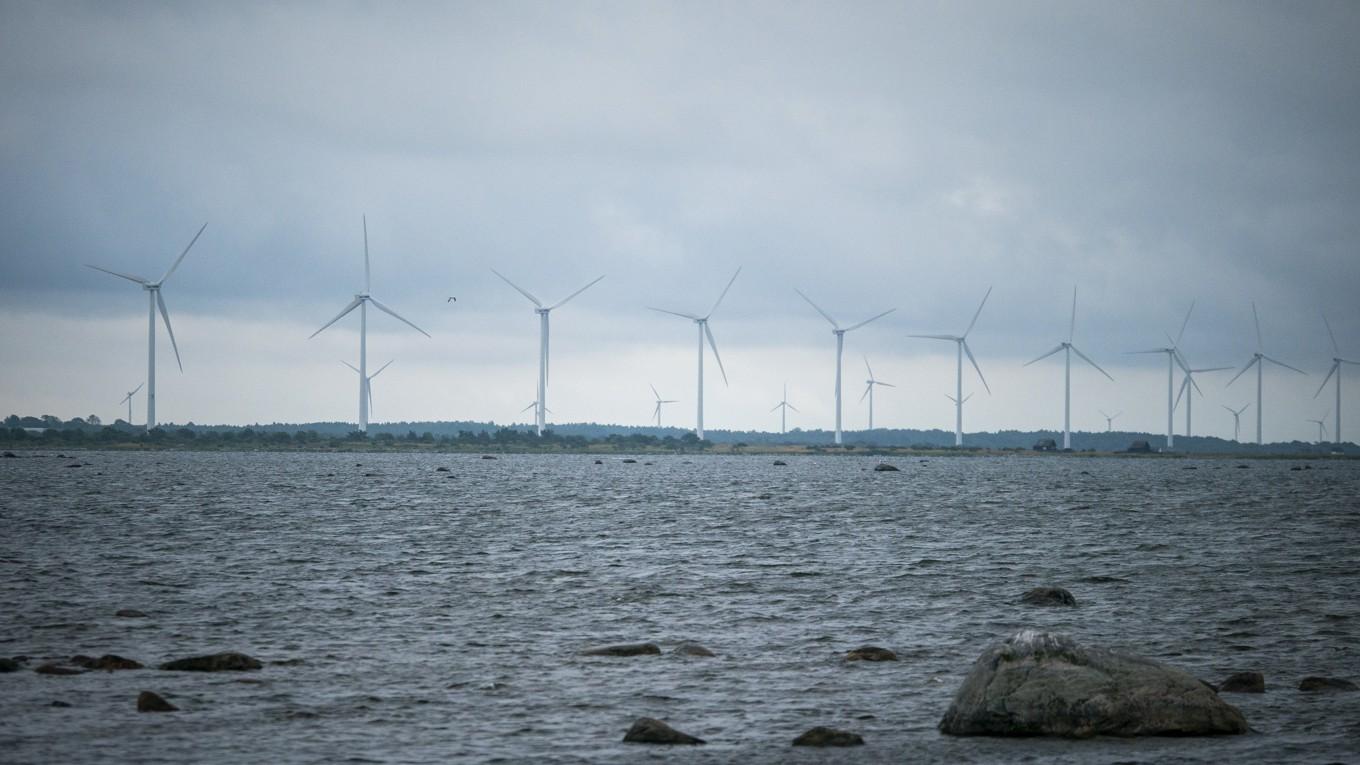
1230 409
182 254
160 302
776 406
352 305
351 366
367 280
871 318
867 388
396 316
518 288
824 314
965 398
689 316
1046 355
129 277
577 292
866 366
938 337
1194 384
794 408
711 344
1072 328
1330 372
1150 350
978 312
531 405
1256 317
1087 359
547 357
1180 393
380 369
1335 349
1181 334
718 302
1254 359
654 393
969 352
368 389
1281 363
889 385
134 390
1210 369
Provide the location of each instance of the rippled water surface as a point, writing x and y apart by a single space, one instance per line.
425 616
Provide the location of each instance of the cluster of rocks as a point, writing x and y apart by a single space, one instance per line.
147 701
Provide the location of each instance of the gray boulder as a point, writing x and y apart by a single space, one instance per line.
1244 682
624 649
822 736
150 701
870 653
1046 684
108 662
648 730
1048 596
8 665
229 661
691 649
1326 684
884 467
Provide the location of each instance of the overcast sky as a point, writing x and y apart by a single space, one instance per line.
895 155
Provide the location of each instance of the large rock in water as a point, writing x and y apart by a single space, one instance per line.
218 662
649 730
1045 684
625 649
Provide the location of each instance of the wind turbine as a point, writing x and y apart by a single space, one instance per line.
534 405
1070 349
785 406
1337 361
1186 384
1322 429
155 301
659 401
361 302
869 390
1173 358
541 413
1237 414
704 332
840 348
1109 419
128 400
961 342
1257 358
368 381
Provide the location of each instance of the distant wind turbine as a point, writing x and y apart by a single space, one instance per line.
785 406
361 302
128 400
659 401
155 301
1322 429
869 390
840 348
1257 358
534 405
1070 349
961 343
1337 361
368 381
540 414
704 332
1109 419
1237 415
1173 358
1186 384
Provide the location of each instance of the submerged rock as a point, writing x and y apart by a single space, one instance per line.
107 662
780 463
691 649
870 653
624 649
8 665
1327 684
441 469
648 730
230 661
487 457
884 467
129 613
1244 682
149 701
823 736
60 704
57 669
629 461
1048 596
1046 684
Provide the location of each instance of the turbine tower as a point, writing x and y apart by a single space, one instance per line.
1258 358
869 390
541 410
128 400
155 301
368 381
1070 349
1173 358
1237 415
1186 384
704 332
1322 429
659 401
840 348
1337 361
1109 419
961 341
361 302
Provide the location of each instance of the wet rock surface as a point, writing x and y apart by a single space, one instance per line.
822 736
1312 684
1048 596
229 661
624 649
870 653
150 701
57 669
691 649
1243 682
884 467
648 730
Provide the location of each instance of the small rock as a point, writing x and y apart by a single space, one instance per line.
629 462
57 669
61 704
74 464
129 613
766 495
823 736
149 701
624 649
599 462
1048 596
8 665
1243 467
691 649
870 653
108 662
884 467
10 456
1327 684
652 731
487 457
441 470
218 662
780 463
1244 682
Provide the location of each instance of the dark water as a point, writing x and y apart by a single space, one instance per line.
437 616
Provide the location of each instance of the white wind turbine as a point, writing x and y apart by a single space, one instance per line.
541 412
1322 429
659 401
368 381
1070 349
155 301
1186 384
1173 358
961 341
128 400
869 390
704 332
1337 361
840 348
361 302
1237 418
1257 358
1109 419
785 406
